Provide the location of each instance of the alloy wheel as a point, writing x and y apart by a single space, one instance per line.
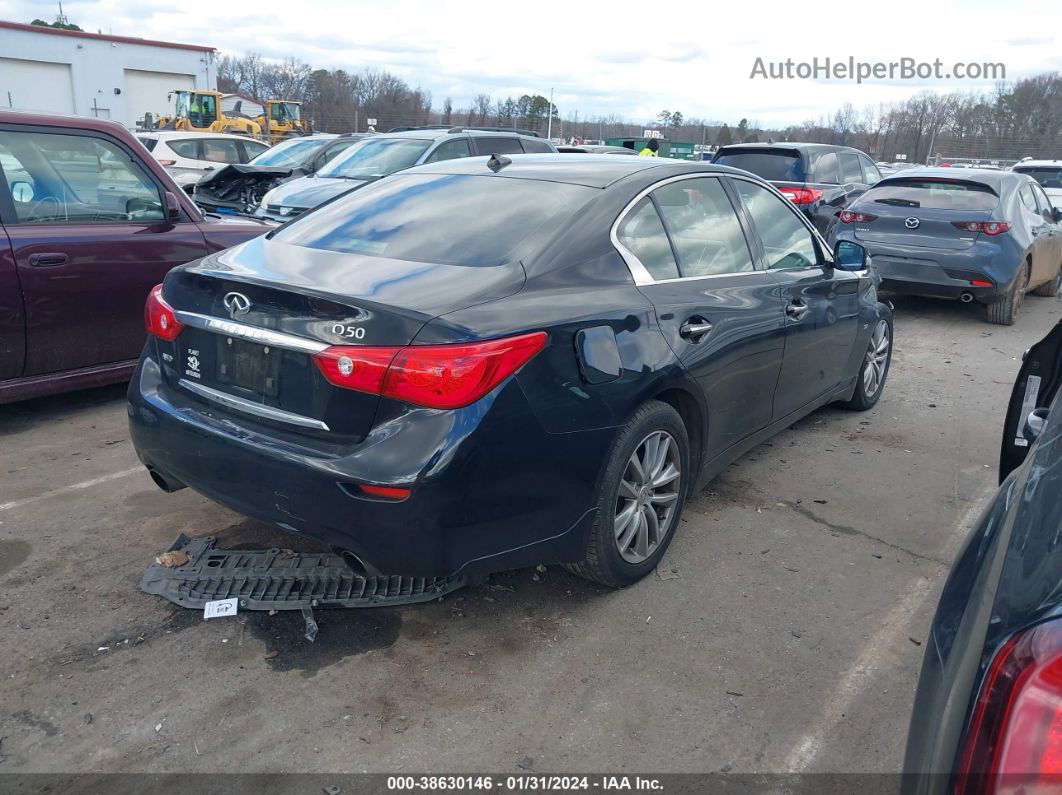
648 496
877 359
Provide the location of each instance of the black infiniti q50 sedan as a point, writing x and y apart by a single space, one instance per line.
483 364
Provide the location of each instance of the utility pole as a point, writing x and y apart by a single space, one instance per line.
549 123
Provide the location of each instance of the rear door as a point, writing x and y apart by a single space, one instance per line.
89 237
687 245
1037 385
12 320
821 305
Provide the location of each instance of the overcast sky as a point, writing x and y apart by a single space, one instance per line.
631 59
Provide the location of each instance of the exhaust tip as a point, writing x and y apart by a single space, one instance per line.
966 298
354 563
168 485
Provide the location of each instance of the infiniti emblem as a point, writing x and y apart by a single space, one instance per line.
911 223
237 303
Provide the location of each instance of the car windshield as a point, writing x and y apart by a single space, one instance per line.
778 166
1047 176
376 157
290 154
932 194
448 219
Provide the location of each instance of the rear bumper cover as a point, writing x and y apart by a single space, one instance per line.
941 273
491 489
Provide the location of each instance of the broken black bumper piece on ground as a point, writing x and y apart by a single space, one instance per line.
277 579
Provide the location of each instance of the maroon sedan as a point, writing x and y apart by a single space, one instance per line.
89 223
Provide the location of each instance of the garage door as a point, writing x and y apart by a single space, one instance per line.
145 92
36 85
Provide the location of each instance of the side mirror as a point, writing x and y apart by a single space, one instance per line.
849 256
1057 213
22 192
1034 425
173 207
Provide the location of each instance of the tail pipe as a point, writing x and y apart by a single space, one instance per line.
966 297
167 483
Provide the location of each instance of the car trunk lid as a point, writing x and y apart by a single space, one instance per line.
255 316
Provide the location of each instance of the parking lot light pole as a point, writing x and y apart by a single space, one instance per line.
549 121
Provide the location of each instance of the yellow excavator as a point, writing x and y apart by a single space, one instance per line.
200 111
283 119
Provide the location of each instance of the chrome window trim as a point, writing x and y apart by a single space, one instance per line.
640 273
250 407
265 336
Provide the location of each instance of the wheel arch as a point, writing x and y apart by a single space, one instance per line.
693 417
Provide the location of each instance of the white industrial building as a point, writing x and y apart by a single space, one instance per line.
93 74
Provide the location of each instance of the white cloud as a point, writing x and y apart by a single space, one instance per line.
630 59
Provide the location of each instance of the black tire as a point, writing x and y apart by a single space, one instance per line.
866 397
1005 311
604 563
1051 288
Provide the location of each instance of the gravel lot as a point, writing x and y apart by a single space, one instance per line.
782 632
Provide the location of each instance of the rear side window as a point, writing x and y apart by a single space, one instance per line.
450 219
851 173
251 150
221 150
932 194
189 147
642 233
780 165
1048 177
498 146
827 169
532 145
704 228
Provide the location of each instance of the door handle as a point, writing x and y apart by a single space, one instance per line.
797 311
694 328
47 260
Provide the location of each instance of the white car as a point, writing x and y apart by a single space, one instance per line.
1048 173
188 156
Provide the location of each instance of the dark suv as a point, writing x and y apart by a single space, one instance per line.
385 154
89 222
820 179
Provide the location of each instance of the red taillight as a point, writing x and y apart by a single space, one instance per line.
801 195
167 162
159 319
1014 740
980 283
849 217
988 227
435 376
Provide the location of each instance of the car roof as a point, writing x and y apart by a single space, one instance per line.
806 147
173 135
996 180
591 170
1038 164
433 134
68 121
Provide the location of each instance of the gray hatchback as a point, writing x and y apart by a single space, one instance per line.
986 236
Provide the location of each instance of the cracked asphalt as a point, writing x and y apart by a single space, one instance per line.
782 632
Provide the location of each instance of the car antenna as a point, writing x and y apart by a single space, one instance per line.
498 162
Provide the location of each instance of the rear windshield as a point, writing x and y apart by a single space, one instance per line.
376 157
932 194
289 154
777 166
149 143
448 219
1046 176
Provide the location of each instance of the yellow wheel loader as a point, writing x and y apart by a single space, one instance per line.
200 111
283 119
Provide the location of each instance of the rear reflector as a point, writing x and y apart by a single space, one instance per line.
434 376
388 492
1014 740
991 228
849 217
801 195
159 319
980 283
